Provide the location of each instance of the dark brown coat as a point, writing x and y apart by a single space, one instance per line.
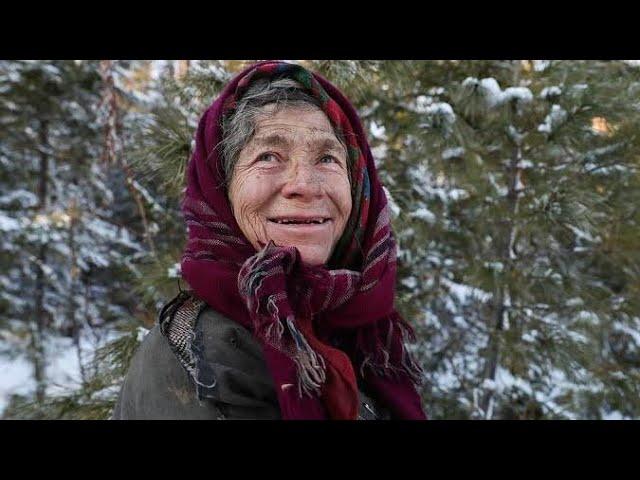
158 387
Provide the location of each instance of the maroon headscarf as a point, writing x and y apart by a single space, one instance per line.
321 327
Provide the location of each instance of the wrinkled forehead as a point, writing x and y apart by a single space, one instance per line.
301 115
289 127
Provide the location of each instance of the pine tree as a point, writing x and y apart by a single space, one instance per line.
65 253
140 123
512 182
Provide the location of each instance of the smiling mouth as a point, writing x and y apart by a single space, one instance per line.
300 220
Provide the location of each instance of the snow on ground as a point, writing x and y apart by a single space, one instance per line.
15 377
62 369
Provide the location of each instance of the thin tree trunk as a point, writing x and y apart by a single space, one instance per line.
40 320
71 310
502 294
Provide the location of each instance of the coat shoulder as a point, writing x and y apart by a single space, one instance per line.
196 364
156 386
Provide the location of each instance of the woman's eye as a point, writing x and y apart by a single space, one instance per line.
267 157
328 159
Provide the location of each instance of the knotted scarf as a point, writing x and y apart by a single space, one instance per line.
324 329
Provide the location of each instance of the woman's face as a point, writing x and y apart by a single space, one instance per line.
291 184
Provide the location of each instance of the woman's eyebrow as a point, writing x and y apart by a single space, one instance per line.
326 144
273 140
314 142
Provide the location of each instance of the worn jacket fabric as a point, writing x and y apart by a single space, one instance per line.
158 387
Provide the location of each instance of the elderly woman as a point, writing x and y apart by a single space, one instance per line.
291 264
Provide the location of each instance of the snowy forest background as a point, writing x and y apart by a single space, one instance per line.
515 194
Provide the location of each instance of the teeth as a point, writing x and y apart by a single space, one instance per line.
289 222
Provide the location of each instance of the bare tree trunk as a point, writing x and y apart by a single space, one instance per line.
40 321
110 102
85 315
76 325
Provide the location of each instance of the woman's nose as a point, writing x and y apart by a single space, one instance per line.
302 182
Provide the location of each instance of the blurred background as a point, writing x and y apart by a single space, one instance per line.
515 198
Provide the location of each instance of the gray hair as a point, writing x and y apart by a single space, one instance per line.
239 127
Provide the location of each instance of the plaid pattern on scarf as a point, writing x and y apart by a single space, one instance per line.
320 327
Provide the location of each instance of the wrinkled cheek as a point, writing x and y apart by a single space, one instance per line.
249 221
251 224
247 192
344 204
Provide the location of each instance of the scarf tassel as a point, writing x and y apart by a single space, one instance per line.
379 358
310 366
